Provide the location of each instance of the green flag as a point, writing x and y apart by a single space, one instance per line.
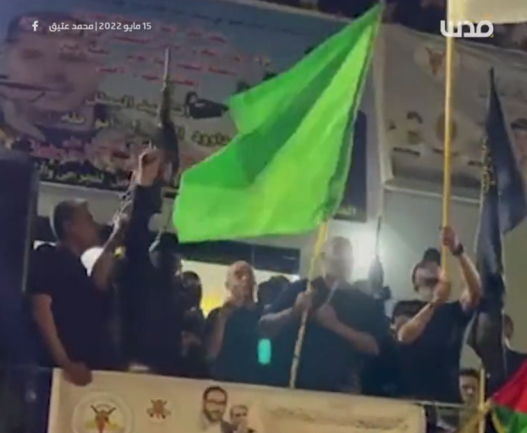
285 170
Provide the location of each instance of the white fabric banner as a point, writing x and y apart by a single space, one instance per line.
497 12
413 88
127 403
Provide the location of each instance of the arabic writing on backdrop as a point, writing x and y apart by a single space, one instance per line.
84 103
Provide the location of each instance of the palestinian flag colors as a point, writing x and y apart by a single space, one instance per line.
510 403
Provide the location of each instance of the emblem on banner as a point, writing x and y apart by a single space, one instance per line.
432 60
436 60
102 413
159 410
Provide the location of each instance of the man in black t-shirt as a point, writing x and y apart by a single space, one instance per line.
430 330
345 326
232 330
70 307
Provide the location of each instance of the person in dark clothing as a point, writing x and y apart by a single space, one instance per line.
192 294
152 312
345 326
513 358
382 376
430 330
269 290
70 307
491 339
193 333
232 330
193 355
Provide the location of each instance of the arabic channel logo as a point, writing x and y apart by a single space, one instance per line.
466 29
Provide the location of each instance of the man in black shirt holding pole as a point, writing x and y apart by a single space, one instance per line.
430 330
345 326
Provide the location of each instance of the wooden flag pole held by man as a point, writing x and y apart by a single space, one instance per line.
447 166
319 244
482 402
479 420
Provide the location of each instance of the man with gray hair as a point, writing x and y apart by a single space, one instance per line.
344 328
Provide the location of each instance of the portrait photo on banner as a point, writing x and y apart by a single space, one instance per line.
80 82
414 112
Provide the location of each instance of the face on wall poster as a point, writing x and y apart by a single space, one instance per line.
80 80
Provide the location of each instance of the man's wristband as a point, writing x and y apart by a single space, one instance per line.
458 251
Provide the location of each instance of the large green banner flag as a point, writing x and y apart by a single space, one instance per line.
285 170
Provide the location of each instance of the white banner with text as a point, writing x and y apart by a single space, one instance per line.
413 89
127 403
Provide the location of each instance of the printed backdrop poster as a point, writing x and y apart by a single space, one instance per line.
128 403
83 102
413 104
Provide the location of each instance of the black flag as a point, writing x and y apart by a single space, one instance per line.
503 207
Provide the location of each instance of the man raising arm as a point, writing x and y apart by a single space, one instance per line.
104 267
431 329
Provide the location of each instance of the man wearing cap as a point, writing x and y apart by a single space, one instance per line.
430 329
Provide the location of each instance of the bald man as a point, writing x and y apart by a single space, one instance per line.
232 330
344 329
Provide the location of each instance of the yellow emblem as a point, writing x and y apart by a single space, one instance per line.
102 413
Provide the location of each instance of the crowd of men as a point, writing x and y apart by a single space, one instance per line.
141 312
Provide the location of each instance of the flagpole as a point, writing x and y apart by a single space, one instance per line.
321 239
497 423
447 166
474 421
482 402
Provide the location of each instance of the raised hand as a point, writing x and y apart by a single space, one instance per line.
150 166
449 238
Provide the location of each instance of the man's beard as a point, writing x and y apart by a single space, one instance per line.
213 417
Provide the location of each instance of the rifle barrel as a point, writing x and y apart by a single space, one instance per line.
166 71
